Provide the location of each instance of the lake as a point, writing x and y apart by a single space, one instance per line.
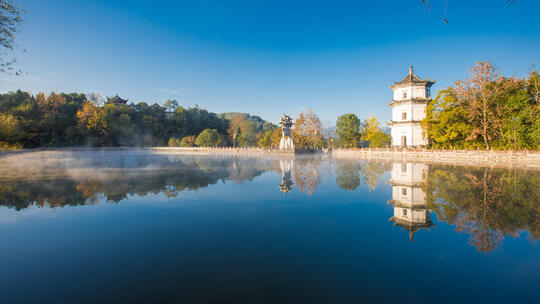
93 226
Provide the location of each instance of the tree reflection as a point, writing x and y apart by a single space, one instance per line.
350 174
307 173
488 204
91 181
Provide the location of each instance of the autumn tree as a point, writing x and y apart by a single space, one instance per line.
307 132
242 131
480 95
373 133
348 130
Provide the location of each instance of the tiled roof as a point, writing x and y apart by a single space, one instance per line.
412 79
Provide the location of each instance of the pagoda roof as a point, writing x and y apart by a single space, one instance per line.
410 226
412 79
116 100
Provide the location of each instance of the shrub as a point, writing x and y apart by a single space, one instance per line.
188 141
174 142
208 138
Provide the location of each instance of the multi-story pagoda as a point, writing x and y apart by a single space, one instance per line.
409 200
116 100
411 96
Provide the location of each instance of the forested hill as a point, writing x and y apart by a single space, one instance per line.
261 124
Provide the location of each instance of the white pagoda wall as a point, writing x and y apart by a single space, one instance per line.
408 172
416 216
408 176
412 92
416 111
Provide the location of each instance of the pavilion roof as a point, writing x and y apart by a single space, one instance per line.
410 226
116 100
412 79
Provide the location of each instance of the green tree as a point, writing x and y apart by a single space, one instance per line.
348 130
446 123
171 105
174 142
188 141
208 138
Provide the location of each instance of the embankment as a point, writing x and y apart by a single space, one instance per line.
502 159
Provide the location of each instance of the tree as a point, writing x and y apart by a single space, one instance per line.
10 21
174 142
373 133
242 131
11 129
188 141
265 141
446 123
480 96
348 130
307 132
208 138
171 105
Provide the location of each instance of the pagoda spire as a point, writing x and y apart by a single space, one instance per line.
410 69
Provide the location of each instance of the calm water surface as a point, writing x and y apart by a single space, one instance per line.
135 226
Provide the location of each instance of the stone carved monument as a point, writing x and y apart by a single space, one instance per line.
286 142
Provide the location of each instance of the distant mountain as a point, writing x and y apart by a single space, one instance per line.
261 124
329 132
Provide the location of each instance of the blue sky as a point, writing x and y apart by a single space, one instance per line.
267 57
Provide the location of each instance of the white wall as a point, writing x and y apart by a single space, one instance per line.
412 92
407 173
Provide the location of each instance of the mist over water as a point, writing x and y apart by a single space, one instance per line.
117 225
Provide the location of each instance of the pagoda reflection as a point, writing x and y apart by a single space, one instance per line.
408 199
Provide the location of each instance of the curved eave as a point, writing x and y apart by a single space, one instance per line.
409 225
399 204
408 83
405 184
410 100
414 122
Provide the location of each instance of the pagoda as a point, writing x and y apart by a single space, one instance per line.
411 96
116 100
408 199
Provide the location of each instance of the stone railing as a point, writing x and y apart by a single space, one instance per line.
523 159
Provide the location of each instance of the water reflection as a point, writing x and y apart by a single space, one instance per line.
408 198
286 181
486 204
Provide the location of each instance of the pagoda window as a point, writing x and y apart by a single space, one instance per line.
404 116
405 212
403 191
404 95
